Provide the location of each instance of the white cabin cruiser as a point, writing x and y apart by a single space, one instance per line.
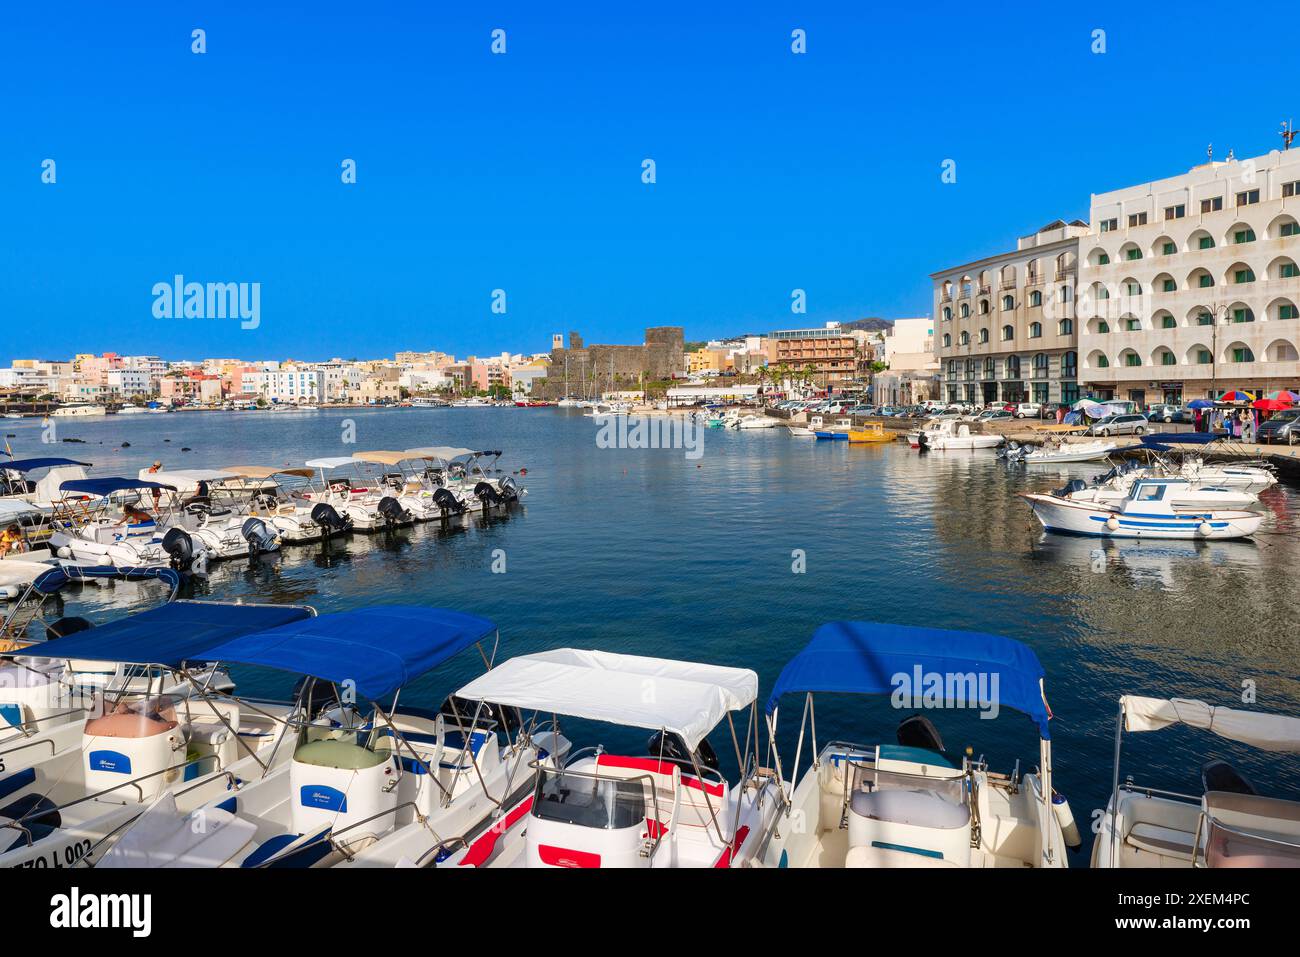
1229 825
99 771
912 804
1147 511
670 807
953 434
379 789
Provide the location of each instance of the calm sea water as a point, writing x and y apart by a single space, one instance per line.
645 551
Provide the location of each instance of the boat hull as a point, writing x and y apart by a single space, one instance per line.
1081 518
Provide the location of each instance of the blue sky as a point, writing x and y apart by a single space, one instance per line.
523 172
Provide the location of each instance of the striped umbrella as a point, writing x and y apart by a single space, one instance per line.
1236 396
1283 395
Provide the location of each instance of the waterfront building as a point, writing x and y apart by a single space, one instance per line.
1189 287
832 354
1004 326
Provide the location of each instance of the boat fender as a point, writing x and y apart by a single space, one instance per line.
1069 829
1204 528
64 551
1112 523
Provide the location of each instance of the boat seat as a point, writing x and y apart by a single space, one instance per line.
1167 841
211 733
338 754
913 808
879 855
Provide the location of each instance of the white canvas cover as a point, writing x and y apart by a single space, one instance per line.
185 480
630 690
444 452
1268 732
331 463
163 836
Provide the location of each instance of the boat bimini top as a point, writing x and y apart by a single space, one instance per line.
688 699
31 465
110 485
265 472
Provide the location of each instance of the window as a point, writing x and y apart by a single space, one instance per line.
1204 319
1070 365
1169 285
1008 302
1290 229
1103 260
1133 288
1132 359
984 335
1041 365
1133 325
1242 354
1212 205
1243 315
1168 322
965 339
1206 280
1008 332
1175 212
1207 242
1035 298
1167 359
1065 327
1288 271
947 341
1013 367
1137 219
984 307
1102 327
1203 357
1248 198
1035 330
1103 362
988 368
1067 293
947 313
1244 236
1287 311
1168 249
965 310
1243 276
1290 189
1133 253
1109 225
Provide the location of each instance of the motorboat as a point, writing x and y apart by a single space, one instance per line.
912 803
600 410
755 421
132 410
872 432
801 431
471 476
1184 496
1230 824
1241 478
380 785
1146 511
951 434
342 486
17 484
295 519
97 521
78 410
668 807
1057 452
220 529
410 483
92 776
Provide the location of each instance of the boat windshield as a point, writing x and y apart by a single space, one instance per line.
575 797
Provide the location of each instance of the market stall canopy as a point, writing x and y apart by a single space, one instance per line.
862 657
379 649
170 635
1268 732
686 698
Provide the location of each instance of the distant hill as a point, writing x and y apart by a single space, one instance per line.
874 324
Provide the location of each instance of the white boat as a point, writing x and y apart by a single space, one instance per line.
756 422
132 410
474 482
1243 478
1147 511
410 483
78 411
94 522
1228 825
366 506
1186 496
269 496
17 484
601 410
956 435
801 431
222 529
1051 453
913 804
377 785
668 807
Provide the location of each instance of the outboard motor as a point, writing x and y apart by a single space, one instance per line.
327 517
1070 487
448 502
259 536
1221 776
509 489
392 511
918 731
485 493
670 747
178 544
66 626
922 442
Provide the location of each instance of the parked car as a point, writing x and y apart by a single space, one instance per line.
1129 424
1282 426
1166 413
1024 410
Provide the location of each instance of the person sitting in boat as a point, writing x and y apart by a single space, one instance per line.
135 516
11 540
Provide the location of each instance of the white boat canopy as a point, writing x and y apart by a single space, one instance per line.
331 463
384 457
1268 732
263 472
680 696
445 452
186 477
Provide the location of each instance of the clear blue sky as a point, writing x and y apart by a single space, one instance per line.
523 171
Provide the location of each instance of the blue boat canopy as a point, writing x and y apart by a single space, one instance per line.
31 465
379 649
49 582
107 485
860 657
169 635
1179 438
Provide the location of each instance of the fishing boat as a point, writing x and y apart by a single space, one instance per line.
97 773
377 785
871 432
1242 476
1056 452
1146 511
1230 824
668 807
912 803
951 434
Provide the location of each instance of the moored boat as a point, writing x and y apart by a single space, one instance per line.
1146 511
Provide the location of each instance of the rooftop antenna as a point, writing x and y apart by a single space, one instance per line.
1287 134
1209 152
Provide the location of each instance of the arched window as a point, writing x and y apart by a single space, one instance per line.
965 339
1008 332
984 307
1102 362
1008 302
1070 365
984 335
1240 353
965 310
1102 326
1132 359
988 368
1013 367
1035 298
947 340
1035 330
1041 365
947 313
1065 327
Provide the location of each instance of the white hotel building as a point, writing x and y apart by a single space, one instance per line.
1189 286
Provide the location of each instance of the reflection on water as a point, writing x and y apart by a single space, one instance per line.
644 551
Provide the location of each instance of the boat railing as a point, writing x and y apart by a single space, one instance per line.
30 744
646 780
1132 788
22 728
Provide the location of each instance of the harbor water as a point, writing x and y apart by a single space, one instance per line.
736 556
